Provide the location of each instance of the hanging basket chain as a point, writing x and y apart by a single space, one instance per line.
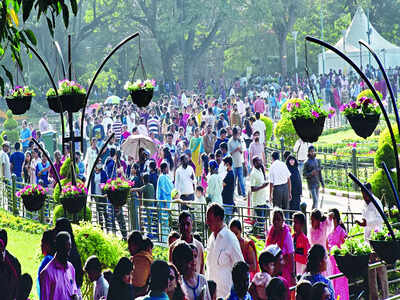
307 73
139 62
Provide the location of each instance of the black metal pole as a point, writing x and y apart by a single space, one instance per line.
371 87
392 97
123 42
378 208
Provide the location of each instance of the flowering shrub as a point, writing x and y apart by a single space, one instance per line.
20 91
117 184
363 105
66 87
33 189
70 190
146 85
298 108
384 235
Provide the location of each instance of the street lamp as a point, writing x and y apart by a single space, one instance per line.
294 33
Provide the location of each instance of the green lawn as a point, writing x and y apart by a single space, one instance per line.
26 247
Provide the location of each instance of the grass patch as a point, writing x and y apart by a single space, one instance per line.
26 246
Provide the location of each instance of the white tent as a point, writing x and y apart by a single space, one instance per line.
388 53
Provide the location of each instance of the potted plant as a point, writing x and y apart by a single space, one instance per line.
71 94
19 99
141 91
385 247
363 113
73 197
117 190
352 258
33 196
308 118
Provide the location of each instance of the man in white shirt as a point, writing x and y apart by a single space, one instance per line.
43 124
185 180
279 179
372 220
223 251
259 126
5 161
258 184
301 150
184 100
235 149
142 127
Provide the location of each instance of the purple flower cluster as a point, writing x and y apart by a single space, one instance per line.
32 189
72 190
116 184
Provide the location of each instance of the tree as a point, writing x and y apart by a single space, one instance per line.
12 38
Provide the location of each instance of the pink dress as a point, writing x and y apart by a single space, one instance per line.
341 285
320 236
285 242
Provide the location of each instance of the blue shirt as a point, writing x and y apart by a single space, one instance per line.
43 264
164 187
234 296
44 175
154 296
319 278
17 159
25 133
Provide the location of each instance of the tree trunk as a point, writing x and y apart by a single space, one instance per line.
283 54
166 65
188 67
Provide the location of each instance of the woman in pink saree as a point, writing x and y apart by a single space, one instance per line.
336 238
280 234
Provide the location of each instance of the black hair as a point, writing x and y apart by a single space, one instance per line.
178 293
163 166
222 131
317 215
123 267
316 255
200 188
63 224
212 287
275 289
318 289
61 238
257 115
290 157
223 146
135 238
197 236
368 186
235 222
159 272
264 259
48 238
146 178
182 254
286 155
240 272
93 264
235 130
304 289
228 160
217 210
24 287
183 215
336 215
17 146
112 152
275 155
147 244
173 234
300 217
4 237
153 165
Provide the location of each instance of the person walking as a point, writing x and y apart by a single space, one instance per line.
235 149
163 195
280 185
16 161
228 190
214 189
259 126
223 251
313 175
259 183
99 178
209 140
301 150
295 180
185 180
256 149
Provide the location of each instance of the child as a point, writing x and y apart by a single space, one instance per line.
214 189
303 290
93 269
261 279
279 265
301 243
240 278
276 289
172 237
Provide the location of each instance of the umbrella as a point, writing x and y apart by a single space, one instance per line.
133 143
113 100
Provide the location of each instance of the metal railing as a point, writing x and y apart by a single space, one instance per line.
156 218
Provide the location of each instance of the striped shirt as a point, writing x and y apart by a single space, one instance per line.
117 129
152 124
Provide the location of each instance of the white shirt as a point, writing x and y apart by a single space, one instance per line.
301 149
278 173
5 164
222 171
90 158
241 108
223 252
184 180
142 129
373 218
259 126
184 100
214 189
100 288
43 125
257 179
107 120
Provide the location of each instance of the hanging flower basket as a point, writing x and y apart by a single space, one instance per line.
141 91
73 204
118 197
33 196
309 130
363 125
72 96
19 105
73 197
19 99
117 190
33 202
308 118
353 266
388 251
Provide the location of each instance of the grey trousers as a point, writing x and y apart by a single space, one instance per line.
373 276
280 196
